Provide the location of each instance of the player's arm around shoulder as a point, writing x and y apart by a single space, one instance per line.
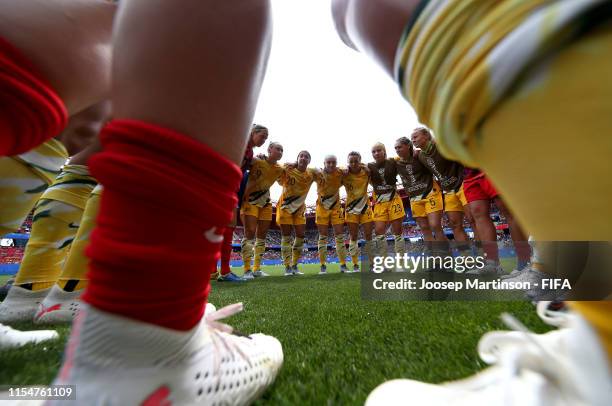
366 168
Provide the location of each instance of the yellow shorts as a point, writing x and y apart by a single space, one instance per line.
325 217
262 213
432 203
389 211
295 219
364 218
455 201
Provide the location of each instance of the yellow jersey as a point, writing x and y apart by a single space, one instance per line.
261 177
328 188
296 185
356 185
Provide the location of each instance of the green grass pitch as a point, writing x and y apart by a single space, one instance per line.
337 347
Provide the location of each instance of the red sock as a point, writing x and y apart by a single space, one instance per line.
156 242
31 112
226 250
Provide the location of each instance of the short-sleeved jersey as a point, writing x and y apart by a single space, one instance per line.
383 178
261 177
296 185
356 185
449 173
328 188
416 178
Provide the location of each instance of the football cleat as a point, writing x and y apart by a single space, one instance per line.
11 338
231 277
248 275
260 274
323 270
58 307
344 269
567 368
118 361
296 270
355 267
21 304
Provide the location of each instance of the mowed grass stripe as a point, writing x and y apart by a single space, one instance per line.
337 347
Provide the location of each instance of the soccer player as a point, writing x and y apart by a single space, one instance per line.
296 180
63 302
486 76
450 175
388 206
24 177
258 137
357 210
56 219
480 192
329 211
426 201
170 172
55 222
256 209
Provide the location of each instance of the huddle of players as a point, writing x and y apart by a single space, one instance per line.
432 182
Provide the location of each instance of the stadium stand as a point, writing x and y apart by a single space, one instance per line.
11 252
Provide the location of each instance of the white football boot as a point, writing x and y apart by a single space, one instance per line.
525 373
58 307
492 344
114 360
21 304
11 338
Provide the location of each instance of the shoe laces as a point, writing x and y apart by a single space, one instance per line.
224 337
529 355
551 317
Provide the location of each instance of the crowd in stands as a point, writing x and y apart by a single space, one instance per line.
13 254
26 227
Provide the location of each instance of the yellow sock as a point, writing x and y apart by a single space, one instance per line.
54 226
260 248
354 251
75 267
599 315
298 246
247 253
322 249
286 250
341 249
72 285
36 286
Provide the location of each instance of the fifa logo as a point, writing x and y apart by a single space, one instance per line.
381 172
